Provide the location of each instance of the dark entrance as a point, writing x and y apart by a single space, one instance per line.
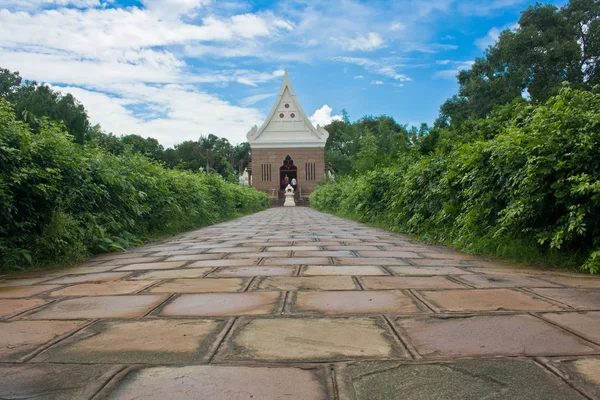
287 169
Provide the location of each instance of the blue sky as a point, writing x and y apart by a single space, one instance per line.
176 69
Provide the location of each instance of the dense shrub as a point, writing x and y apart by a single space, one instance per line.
532 185
61 201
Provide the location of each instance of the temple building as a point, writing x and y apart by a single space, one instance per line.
287 145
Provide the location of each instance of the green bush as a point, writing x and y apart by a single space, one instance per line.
61 201
530 186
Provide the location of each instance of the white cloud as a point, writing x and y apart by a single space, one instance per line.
452 73
359 77
181 113
36 4
323 116
381 67
397 26
492 36
365 43
376 82
251 100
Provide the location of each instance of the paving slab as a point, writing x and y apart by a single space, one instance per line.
224 263
153 341
580 282
201 285
102 288
580 299
130 306
307 283
253 271
369 261
586 324
504 280
464 380
486 300
355 302
53 381
427 271
224 304
13 306
151 265
15 292
343 270
172 274
222 383
584 373
99 277
19 338
310 339
297 261
408 282
476 336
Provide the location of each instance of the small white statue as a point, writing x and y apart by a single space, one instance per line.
244 178
289 197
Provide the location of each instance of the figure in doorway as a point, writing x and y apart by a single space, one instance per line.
294 183
286 181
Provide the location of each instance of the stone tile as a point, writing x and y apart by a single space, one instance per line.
388 254
180 252
427 271
224 304
350 248
497 280
586 324
153 265
194 257
583 372
253 271
580 299
356 302
430 262
103 276
314 339
19 338
53 381
234 250
269 254
224 263
13 306
486 300
173 274
503 335
201 285
293 248
13 292
445 255
154 341
81 270
130 306
222 383
24 281
580 282
103 288
297 261
470 380
324 253
343 270
133 260
307 283
369 261
408 282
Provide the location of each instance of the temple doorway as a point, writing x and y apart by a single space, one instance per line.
290 170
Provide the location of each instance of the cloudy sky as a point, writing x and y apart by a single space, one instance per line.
176 69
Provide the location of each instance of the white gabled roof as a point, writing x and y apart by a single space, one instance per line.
287 126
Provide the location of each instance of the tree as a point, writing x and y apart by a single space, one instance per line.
549 47
9 82
366 158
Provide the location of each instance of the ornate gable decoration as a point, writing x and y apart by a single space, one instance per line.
287 126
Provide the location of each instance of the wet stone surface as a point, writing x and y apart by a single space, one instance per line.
293 303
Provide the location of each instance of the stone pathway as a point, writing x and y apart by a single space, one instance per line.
296 304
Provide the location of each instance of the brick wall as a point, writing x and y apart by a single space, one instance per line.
314 156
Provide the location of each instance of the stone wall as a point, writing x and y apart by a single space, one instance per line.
313 156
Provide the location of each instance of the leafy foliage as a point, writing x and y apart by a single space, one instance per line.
61 201
525 177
